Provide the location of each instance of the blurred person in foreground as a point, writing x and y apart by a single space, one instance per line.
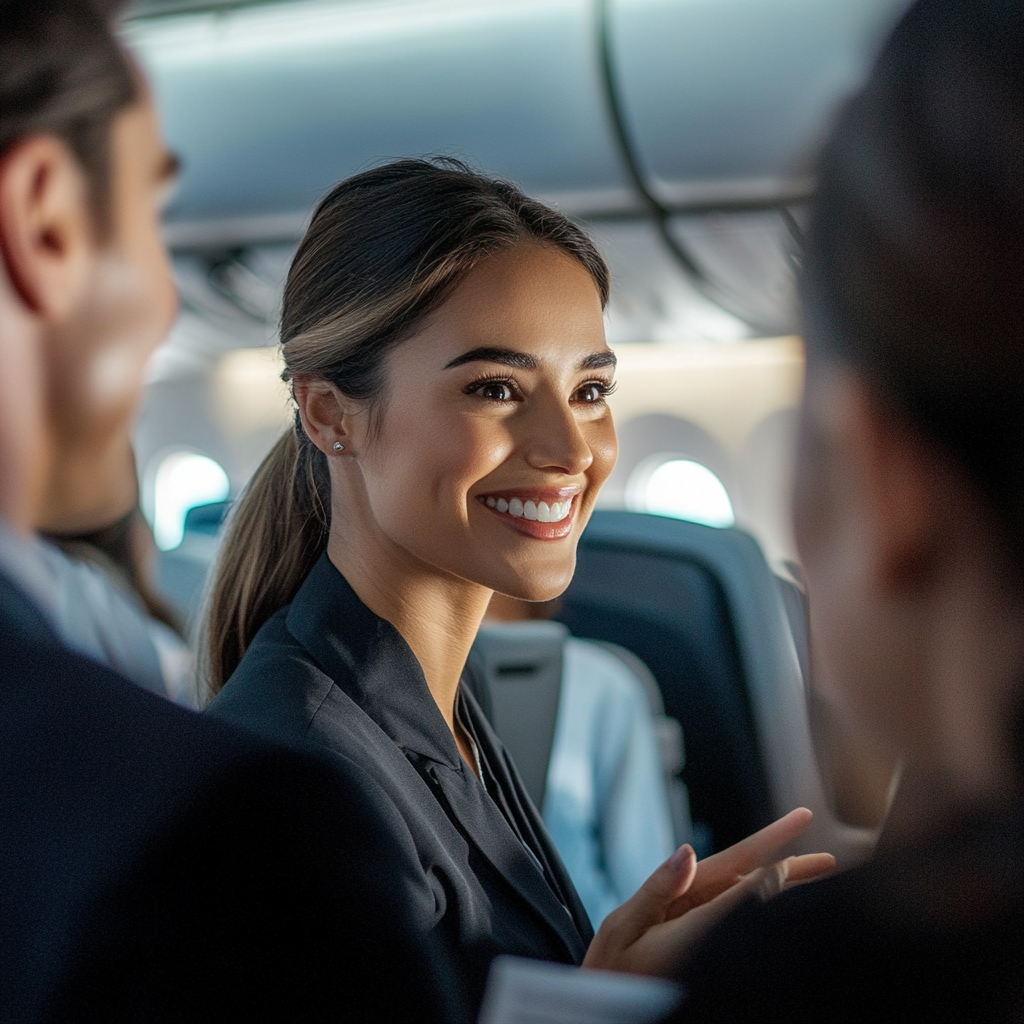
909 514
153 865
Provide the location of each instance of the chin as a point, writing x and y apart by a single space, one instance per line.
67 517
535 587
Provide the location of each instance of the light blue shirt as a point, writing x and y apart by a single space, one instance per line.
94 617
606 804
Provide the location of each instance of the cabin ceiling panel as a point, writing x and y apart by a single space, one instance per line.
271 105
725 100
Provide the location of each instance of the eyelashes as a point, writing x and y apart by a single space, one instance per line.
604 387
601 386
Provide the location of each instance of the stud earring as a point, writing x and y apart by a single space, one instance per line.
338 446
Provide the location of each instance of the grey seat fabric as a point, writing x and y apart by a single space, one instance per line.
702 609
517 669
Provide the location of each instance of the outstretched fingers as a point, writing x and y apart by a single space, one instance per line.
755 851
721 871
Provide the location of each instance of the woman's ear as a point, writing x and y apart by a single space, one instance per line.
325 414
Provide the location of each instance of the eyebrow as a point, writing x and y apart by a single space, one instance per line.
505 356
598 360
523 361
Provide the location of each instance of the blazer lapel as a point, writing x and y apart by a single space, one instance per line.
484 825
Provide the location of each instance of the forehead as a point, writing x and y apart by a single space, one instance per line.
532 297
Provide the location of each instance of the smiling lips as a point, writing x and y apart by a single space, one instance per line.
547 515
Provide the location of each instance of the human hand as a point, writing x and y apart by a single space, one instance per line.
651 932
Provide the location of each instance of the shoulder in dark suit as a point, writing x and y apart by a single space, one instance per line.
155 865
327 673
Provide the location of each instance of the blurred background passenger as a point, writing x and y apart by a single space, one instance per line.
909 513
606 804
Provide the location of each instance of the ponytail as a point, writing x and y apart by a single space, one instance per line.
276 533
383 250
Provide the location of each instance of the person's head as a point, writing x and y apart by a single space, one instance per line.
85 288
910 481
444 337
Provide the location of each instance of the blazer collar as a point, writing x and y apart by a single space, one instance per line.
371 662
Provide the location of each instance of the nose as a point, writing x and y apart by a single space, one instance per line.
556 442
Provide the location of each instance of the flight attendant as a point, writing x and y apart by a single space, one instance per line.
443 336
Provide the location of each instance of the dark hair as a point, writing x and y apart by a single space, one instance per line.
914 272
384 249
63 73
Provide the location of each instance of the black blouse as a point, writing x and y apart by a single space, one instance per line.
476 864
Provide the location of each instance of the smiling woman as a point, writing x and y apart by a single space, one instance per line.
443 335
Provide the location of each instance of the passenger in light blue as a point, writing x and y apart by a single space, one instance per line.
606 804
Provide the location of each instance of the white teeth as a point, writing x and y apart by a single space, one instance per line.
540 511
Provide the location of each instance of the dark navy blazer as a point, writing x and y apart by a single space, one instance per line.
158 865
479 866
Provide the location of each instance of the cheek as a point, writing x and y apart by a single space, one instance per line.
427 458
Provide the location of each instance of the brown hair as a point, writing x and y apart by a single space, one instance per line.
384 249
63 73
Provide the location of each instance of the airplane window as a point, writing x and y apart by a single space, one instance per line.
680 488
182 481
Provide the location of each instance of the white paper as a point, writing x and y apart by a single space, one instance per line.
538 992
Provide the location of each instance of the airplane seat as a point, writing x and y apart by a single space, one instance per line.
515 672
701 607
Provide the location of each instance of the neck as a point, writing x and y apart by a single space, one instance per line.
436 613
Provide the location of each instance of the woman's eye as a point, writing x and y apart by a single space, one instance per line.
495 391
592 393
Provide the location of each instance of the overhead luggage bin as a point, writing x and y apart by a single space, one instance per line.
714 102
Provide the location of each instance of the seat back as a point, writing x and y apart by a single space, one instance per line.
703 610
520 667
